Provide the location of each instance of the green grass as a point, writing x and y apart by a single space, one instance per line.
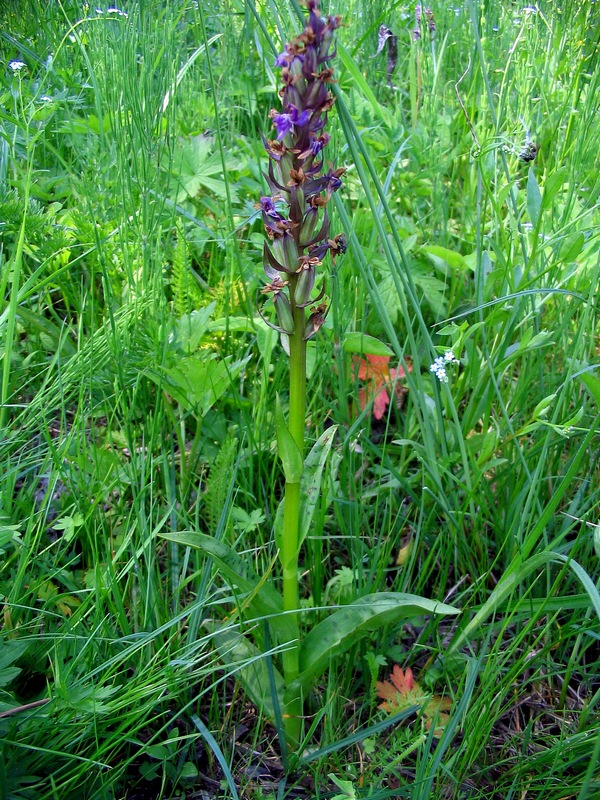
130 162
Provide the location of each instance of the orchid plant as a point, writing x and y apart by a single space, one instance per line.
297 227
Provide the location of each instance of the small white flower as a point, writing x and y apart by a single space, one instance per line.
528 227
438 368
16 65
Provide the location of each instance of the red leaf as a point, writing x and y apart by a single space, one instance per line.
376 373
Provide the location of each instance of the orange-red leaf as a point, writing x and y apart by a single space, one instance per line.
403 691
376 373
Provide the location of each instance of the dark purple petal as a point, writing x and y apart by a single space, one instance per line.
284 125
268 207
282 59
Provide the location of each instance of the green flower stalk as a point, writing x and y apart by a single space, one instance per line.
297 227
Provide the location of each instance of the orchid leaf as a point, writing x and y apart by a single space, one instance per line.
310 486
260 595
251 667
343 628
291 458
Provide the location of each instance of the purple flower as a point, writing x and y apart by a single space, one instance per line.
282 59
268 207
285 123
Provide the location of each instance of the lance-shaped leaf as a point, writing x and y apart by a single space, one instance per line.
310 486
258 593
251 666
343 628
291 458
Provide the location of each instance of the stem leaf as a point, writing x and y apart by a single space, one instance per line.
261 596
310 486
252 670
534 198
290 455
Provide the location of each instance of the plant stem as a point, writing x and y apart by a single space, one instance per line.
291 528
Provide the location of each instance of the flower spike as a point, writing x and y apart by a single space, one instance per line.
299 236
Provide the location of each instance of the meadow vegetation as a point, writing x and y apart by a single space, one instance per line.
139 388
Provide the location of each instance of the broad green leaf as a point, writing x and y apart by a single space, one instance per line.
198 381
345 627
11 651
366 345
434 290
250 665
260 595
534 198
290 455
592 384
197 167
310 486
450 257
553 184
571 247
190 328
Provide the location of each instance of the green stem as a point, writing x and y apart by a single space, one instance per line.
291 528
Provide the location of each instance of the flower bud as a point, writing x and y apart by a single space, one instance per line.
284 312
308 225
304 285
286 251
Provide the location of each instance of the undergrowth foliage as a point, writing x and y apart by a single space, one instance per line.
139 386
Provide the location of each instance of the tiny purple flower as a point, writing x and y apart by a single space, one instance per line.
282 59
268 207
285 123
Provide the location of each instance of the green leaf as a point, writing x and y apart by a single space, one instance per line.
190 328
366 345
11 651
290 455
571 247
310 486
517 575
197 167
360 84
592 384
534 198
553 184
542 408
348 625
260 594
251 667
450 257
199 380
68 525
